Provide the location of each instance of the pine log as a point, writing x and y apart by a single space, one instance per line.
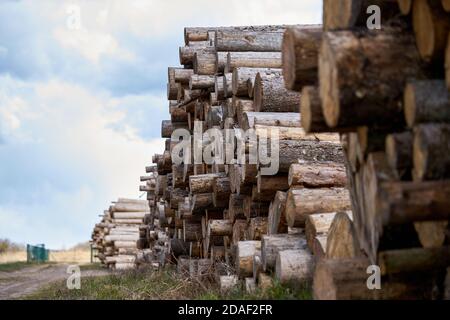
430 151
271 245
129 215
319 247
168 127
245 254
254 209
277 215
220 228
271 95
421 106
228 85
300 51
236 207
221 61
431 234
241 75
257 227
317 224
312 117
203 183
347 14
221 191
346 279
302 202
253 60
342 241
187 53
313 175
201 202
201 81
288 119
399 147
129 207
269 185
414 260
178 114
294 267
182 75
261 41
348 60
239 228
404 6
192 230
431 27
204 63
293 151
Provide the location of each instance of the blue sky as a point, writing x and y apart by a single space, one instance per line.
81 101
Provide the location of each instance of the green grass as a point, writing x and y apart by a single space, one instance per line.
14 266
148 284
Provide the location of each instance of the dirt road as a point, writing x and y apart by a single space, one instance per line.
23 282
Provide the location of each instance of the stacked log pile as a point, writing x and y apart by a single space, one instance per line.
230 218
120 238
385 92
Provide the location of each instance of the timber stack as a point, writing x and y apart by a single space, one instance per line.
386 92
120 238
232 218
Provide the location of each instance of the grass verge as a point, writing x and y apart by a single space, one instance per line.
147 285
15 266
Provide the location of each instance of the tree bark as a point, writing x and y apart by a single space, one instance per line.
271 95
203 183
431 154
253 60
431 27
399 147
353 91
258 41
242 74
271 245
204 63
201 82
342 241
421 106
277 215
245 253
257 227
300 56
302 202
294 267
317 175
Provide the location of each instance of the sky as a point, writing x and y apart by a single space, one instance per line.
82 97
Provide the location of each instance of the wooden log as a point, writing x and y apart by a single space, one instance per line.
346 279
271 95
371 103
178 114
253 60
351 13
271 245
342 241
236 207
220 228
201 81
319 247
254 209
130 215
277 215
203 183
431 26
192 230
129 207
221 61
317 224
217 253
431 234
239 228
228 85
245 253
317 175
179 248
430 151
122 237
421 106
294 151
404 6
204 63
294 267
269 185
288 119
399 147
182 75
300 51
125 244
201 202
414 260
187 53
221 191
302 202
168 127
261 41
241 75
257 228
